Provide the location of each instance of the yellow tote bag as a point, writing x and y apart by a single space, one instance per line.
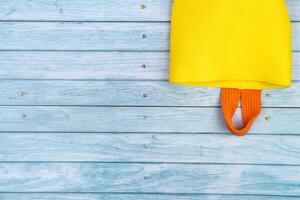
241 46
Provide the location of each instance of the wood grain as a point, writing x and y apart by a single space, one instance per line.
98 10
93 36
74 10
84 36
139 119
149 147
99 196
149 178
126 93
86 65
86 112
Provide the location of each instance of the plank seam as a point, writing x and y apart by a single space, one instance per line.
154 193
98 21
151 163
162 133
128 106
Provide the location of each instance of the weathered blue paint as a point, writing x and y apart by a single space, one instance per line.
150 178
121 196
87 65
86 112
101 36
125 93
139 119
99 10
150 147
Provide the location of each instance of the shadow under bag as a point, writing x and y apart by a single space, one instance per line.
239 46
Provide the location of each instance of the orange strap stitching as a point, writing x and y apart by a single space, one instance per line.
251 107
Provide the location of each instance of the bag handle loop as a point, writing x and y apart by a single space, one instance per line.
251 107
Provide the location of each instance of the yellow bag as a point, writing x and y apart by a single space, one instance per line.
241 46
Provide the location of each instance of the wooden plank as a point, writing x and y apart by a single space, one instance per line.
99 10
126 93
87 65
141 147
92 36
139 119
150 178
74 10
93 65
87 36
294 7
99 196
84 36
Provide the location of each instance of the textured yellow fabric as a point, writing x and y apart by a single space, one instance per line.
243 44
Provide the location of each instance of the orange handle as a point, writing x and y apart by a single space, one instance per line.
251 107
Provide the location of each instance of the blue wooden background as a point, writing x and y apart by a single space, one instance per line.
86 112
